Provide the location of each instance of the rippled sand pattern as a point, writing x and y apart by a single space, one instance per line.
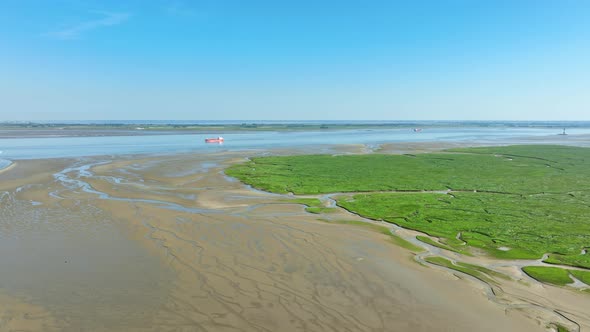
171 244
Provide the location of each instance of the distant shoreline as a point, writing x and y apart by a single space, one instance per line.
48 130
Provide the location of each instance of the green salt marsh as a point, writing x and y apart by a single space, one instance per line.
514 202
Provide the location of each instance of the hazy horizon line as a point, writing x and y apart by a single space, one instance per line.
270 122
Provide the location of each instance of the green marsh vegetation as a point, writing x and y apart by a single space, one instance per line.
561 328
379 229
557 276
554 169
514 202
312 205
475 271
428 240
558 327
309 202
506 226
320 210
550 275
583 276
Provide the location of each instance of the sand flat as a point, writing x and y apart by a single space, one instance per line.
141 256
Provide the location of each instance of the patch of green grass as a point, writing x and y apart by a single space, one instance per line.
318 210
377 228
583 276
439 261
531 199
571 260
485 270
475 271
310 202
513 253
312 205
380 229
561 328
405 244
428 240
550 275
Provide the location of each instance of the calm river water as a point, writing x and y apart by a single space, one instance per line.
33 148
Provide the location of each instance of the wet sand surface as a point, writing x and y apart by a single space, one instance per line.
171 244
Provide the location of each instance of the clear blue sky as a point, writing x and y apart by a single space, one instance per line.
289 60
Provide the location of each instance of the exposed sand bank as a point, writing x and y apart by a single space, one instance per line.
171 244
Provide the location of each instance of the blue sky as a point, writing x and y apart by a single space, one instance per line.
289 60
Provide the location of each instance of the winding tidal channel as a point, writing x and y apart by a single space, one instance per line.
169 243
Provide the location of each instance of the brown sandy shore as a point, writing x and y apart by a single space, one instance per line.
170 243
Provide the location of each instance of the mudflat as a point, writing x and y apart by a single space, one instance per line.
172 244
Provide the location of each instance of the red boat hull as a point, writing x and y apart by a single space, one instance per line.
214 140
